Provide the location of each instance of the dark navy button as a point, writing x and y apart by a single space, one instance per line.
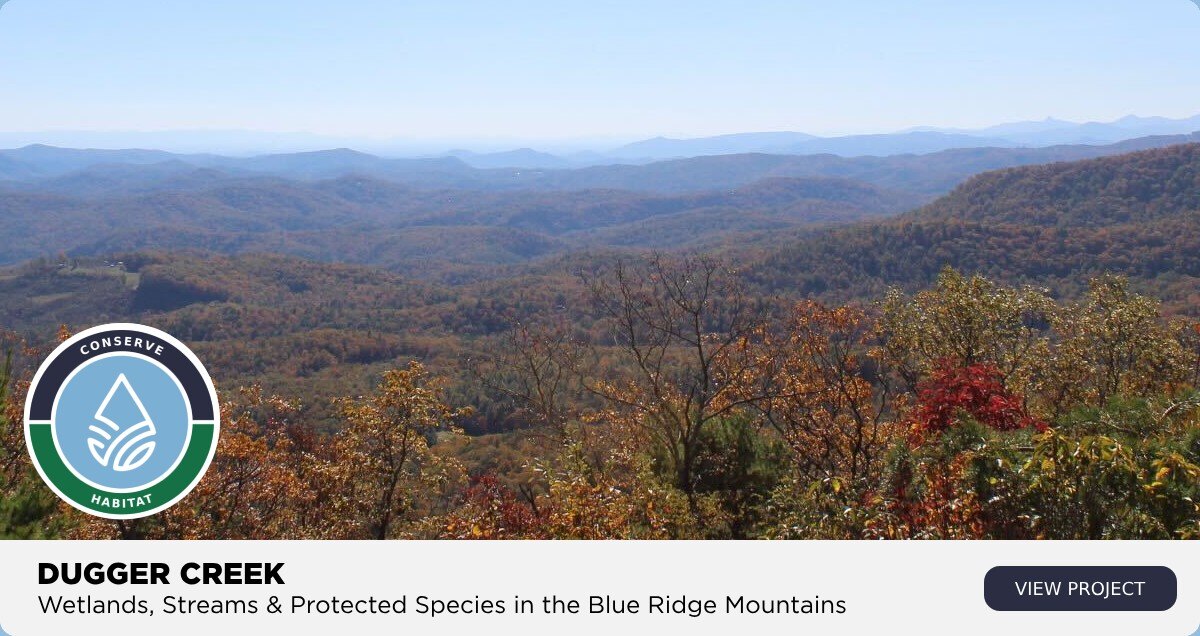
1080 589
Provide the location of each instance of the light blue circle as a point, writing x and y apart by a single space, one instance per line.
83 395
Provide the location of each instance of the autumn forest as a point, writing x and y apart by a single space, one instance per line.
902 351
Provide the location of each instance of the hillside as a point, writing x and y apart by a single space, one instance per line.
1108 191
1053 225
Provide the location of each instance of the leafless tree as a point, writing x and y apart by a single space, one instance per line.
684 326
532 365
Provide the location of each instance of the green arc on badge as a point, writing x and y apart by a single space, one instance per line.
124 505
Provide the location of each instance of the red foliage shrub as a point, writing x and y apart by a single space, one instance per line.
976 391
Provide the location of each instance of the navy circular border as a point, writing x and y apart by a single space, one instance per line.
41 402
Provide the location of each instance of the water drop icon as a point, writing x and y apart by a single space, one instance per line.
126 438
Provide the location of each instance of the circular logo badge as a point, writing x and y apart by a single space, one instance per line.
122 421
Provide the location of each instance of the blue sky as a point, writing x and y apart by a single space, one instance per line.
597 69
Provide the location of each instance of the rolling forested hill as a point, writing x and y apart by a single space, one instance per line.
1054 225
363 220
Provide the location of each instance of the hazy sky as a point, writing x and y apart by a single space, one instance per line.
565 69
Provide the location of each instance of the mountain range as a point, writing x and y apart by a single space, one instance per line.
921 140
442 219
86 172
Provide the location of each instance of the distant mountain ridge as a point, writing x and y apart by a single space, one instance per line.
519 158
879 145
106 172
661 147
528 155
922 140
